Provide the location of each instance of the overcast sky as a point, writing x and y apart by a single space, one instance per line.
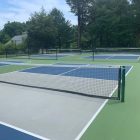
20 10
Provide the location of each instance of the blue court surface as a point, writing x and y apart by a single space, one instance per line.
115 57
70 64
49 70
2 64
43 56
12 61
99 57
8 133
108 73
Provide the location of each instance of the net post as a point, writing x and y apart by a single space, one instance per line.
123 85
119 82
56 53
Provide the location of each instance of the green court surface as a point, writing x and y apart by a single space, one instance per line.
116 121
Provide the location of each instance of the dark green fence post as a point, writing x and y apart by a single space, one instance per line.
123 84
56 53
93 54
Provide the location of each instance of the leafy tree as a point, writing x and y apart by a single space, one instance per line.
2 49
74 37
80 9
4 37
135 4
14 28
110 24
41 31
10 30
64 31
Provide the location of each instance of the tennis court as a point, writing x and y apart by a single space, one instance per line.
114 57
54 56
5 62
89 71
53 112
12 61
2 64
49 56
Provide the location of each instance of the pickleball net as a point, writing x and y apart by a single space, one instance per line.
107 82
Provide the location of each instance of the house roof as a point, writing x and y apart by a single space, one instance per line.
19 37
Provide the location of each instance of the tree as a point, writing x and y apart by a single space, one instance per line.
135 4
41 31
10 30
2 49
4 37
14 28
64 33
80 9
110 23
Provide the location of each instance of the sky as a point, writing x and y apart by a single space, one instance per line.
21 10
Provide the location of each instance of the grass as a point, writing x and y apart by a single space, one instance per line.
117 121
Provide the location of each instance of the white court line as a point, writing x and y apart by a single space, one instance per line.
103 66
138 58
32 66
52 67
75 69
69 64
110 57
23 131
25 63
69 71
97 112
17 70
129 70
57 65
11 63
3 65
124 56
94 116
27 69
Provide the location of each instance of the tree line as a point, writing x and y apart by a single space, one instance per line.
101 23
